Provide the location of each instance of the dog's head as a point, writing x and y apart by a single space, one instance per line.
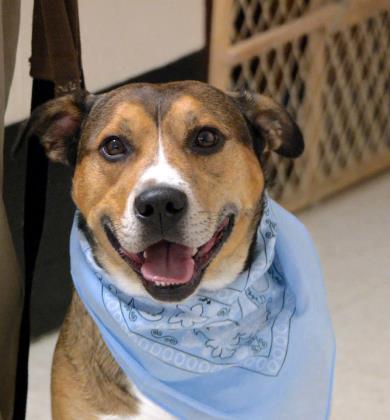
168 178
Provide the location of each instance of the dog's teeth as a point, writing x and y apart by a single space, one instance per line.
194 251
144 254
163 284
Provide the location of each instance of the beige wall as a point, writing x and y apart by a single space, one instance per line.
120 39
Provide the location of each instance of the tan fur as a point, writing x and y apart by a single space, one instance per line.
234 172
100 187
86 381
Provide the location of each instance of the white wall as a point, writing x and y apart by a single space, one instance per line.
119 38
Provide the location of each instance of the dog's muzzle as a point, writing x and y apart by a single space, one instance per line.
169 268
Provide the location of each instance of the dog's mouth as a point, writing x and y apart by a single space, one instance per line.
171 271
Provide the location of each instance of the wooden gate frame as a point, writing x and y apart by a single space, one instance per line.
319 22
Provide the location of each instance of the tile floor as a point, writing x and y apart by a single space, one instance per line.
352 234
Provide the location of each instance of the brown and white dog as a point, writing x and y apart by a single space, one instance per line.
169 182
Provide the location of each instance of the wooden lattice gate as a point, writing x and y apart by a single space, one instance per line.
329 64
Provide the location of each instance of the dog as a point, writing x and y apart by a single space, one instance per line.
169 181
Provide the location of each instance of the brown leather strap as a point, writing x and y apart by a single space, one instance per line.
56 70
56 50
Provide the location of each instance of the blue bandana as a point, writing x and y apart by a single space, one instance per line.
261 347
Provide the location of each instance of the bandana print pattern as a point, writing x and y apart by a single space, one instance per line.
244 325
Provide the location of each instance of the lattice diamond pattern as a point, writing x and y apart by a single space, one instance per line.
356 96
280 73
254 16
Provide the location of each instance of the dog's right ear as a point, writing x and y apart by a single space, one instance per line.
57 123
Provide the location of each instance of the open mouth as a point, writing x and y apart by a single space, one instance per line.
171 271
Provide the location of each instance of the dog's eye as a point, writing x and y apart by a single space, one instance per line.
207 140
113 148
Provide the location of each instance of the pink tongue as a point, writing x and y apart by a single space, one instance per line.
166 262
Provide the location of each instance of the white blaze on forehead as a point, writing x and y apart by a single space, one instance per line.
196 226
161 171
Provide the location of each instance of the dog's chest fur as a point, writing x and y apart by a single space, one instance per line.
214 145
84 367
147 410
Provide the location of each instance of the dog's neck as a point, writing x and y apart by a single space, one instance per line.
183 355
208 331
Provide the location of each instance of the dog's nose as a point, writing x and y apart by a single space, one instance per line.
161 207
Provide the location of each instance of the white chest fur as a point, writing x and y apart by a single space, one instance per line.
147 410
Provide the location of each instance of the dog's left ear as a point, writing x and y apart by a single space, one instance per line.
57 123
271 125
